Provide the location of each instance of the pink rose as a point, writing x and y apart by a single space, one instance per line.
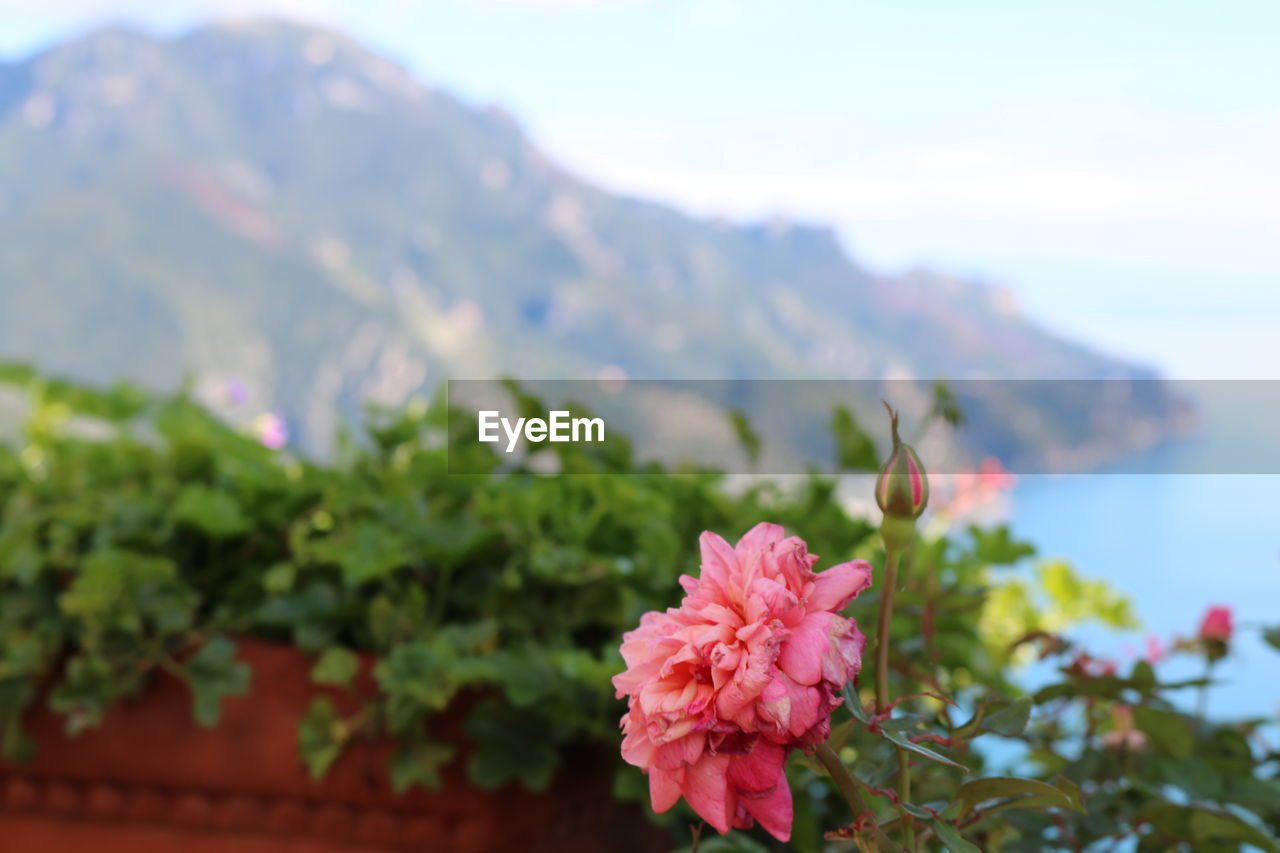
748 667
1216 624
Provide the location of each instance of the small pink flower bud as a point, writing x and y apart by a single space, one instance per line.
1124 734
1216 624
1215 632
902 490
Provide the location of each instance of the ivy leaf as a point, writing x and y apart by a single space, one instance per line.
212 673
510 745
120 590
336 667
419 764
369 551
89 686
951 837
321 737
214 513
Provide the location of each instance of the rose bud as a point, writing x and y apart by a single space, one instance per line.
902 489
1215 631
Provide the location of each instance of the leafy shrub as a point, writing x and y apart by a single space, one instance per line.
142 534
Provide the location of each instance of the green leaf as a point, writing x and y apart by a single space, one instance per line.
855 451
367 552
419 764
906 743
422 677
1009 721
336 667
217 514
124 591
321 737
510 745
951 837
854 703
996 547
1001 792
747 437
213 673
1072 790
1214 825
1272 637
1170 731
87 689
945 404
279 578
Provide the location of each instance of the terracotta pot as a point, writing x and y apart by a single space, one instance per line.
151 780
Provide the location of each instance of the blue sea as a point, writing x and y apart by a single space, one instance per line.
1174 543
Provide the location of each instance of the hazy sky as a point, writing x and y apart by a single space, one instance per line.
1116 163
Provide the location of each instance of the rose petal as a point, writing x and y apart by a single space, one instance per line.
774 810
761 537
802 653
718 560
838 585
758 771
664 788
706 787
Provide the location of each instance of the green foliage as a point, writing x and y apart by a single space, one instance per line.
855 450
213 673
495 603
746 435
155 538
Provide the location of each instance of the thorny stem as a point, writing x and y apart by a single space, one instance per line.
882 630
883 701
848 787
844 780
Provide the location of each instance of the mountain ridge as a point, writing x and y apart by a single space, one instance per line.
269 203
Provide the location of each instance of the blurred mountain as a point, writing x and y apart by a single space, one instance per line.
272 208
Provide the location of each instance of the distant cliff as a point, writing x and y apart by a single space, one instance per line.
300 225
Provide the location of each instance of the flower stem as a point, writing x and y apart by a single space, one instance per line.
883 702
849 789
844 780
904 794
882 629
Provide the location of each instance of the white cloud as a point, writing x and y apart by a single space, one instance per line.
1208 191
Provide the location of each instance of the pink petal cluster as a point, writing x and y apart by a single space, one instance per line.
272 431
1217 624
748 667
1124 734
967 492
